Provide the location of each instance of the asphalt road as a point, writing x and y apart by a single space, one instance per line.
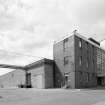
51 97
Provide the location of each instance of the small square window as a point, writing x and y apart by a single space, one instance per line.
66 60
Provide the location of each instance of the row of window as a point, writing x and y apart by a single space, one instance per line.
100 60
66 45
87 76
87 62
80 58
66 61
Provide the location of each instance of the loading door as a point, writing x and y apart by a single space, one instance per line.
37 81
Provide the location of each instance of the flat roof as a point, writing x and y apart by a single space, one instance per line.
86 39
80 36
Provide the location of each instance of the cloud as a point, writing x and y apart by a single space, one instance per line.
31 26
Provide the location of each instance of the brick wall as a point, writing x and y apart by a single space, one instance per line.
85 75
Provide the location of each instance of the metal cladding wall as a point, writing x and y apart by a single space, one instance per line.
86 69
13 79
64 63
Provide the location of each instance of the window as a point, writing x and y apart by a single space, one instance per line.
90 77
81 74
93 49
87 63
87 77
80 60
93 61
80 43
66 60
87 46
65 43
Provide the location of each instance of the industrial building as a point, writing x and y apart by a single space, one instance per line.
38 74
77 62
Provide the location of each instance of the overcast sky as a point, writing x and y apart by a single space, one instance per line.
31 26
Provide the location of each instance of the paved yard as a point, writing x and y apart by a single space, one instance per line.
51 97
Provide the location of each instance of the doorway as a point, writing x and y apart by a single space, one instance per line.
99 81
28 80
66 81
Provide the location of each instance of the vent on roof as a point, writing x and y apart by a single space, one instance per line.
94 41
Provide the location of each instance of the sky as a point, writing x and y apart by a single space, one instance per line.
30 27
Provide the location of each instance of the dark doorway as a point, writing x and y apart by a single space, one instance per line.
66 81
28 80
99 81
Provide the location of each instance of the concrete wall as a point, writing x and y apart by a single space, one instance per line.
60 69
85 74
35 73
49 80
42 76
12 79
